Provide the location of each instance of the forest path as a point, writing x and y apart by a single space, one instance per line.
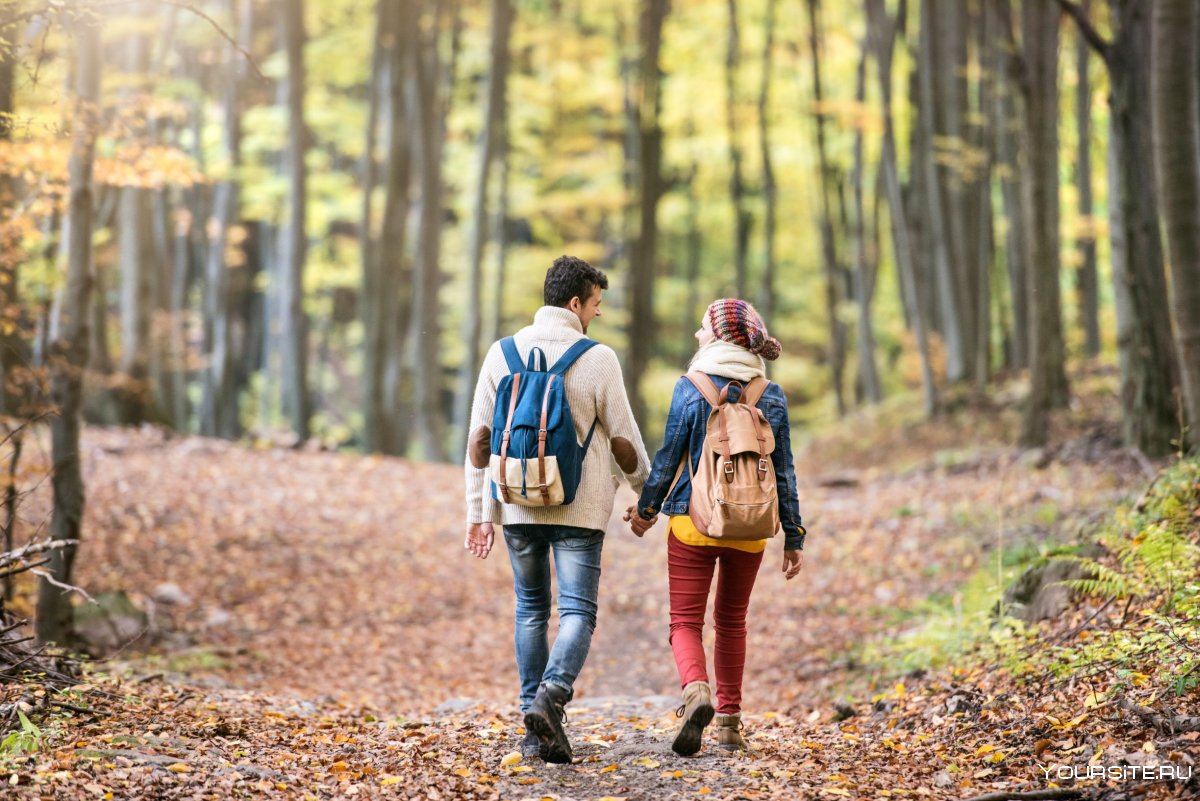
344 635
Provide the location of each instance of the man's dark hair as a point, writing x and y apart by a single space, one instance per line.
570 277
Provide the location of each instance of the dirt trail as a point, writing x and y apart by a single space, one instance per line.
314 587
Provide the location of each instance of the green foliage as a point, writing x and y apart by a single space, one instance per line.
1161 556
24 740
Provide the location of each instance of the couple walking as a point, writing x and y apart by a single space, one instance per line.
549 407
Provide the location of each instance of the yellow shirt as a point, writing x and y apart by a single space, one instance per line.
685 531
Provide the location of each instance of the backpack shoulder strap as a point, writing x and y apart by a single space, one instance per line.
572 355
754 390
512 355
706 386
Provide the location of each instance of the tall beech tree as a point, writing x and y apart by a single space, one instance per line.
494 102
1175 93
647 107
1149 370
294 244
69 350
1040 194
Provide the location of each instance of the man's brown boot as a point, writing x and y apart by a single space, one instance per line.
729 733
697 711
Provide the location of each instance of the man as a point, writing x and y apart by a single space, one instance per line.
595 392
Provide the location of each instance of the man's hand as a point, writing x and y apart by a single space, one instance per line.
793 561
638 524
480 538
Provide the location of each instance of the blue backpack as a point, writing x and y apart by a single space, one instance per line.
536 459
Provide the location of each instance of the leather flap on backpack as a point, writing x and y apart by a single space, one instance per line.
744 424
522 476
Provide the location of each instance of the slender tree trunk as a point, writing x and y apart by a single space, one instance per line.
426 328
500 226
648 104
766 295
1149 370
983 258
1087 283
737 185
882 33
865 266
295 242
68 353
14 354
692 310
135 394
1008 110
220 406
833 295
372 302
1048 379
937 228
1175 87
947 111
494 95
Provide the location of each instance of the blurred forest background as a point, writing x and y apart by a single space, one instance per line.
302 220
250 217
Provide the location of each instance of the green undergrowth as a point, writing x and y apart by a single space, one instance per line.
1135 619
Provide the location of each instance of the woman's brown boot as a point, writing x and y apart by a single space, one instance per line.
697 711
729 733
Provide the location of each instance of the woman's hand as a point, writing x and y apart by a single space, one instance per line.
638 524
793 562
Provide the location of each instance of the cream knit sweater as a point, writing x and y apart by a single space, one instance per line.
595 391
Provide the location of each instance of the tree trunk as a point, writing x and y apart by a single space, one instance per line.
979 274
937 228
1149 371
833 295
647 107
135 393
1008 111
1175 86
766 295
1048 379
882 33
377 306
68 353
1087 283
294 248
494 97
426 329
947 112
14 353
220 404
865 266
500 226
737 184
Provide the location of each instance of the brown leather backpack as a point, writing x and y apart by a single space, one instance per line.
734 495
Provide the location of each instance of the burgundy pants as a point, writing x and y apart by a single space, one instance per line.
690 570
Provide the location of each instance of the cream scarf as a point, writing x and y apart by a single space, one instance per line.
728 360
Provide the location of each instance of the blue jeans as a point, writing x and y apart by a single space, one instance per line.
577 562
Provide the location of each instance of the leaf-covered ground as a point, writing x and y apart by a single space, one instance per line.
328 637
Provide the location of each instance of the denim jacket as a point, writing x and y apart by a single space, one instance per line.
687 421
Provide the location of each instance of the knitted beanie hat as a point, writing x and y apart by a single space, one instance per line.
736 321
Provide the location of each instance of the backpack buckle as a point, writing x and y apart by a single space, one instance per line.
762 466
541 435
729 470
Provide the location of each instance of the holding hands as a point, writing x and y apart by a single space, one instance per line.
638 524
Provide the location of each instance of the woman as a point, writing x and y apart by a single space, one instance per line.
733 345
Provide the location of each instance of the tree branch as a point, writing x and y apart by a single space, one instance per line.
221 31
1102 46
